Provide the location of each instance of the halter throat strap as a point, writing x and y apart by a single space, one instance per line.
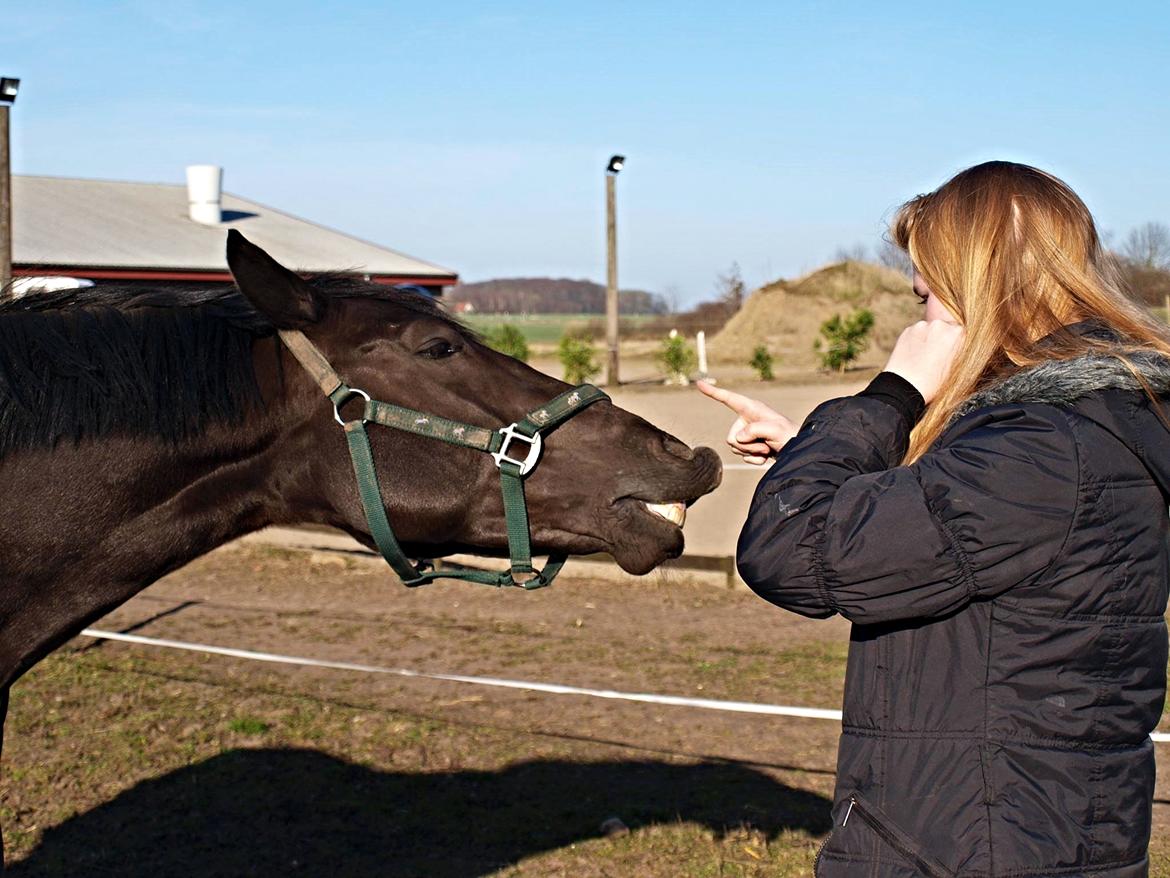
515 448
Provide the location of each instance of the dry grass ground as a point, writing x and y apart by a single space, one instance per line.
123 760
129 760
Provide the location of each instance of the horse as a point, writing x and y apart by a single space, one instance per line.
143 427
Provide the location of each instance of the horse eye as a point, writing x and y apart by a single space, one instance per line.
439 350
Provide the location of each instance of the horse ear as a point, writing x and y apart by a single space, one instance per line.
279 294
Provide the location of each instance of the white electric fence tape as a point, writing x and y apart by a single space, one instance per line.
552 688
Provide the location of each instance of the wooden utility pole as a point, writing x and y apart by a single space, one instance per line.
5 205
611 287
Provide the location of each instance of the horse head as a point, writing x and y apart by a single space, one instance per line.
608 481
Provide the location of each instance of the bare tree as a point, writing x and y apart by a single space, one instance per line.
671 294
856 253
892 256
731 289
1148 246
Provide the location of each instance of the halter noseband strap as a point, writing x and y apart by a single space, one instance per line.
506 446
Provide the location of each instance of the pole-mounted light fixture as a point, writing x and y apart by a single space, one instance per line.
8 89
611 284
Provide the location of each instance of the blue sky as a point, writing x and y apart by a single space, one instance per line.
476 134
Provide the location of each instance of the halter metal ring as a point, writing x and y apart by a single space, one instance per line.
353 391
534 444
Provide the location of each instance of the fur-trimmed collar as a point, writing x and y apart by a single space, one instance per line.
1061 382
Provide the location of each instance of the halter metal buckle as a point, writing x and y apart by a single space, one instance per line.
353 391
534 444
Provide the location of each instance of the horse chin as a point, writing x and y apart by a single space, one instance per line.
642 559
643 539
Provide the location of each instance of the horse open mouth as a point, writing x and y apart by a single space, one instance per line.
675 513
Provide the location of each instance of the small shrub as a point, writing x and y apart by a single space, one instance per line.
844 338
507 339
677 357
249 725
761 361
576 353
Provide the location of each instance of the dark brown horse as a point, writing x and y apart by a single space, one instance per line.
140 429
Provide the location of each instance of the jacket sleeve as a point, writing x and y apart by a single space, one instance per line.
837 527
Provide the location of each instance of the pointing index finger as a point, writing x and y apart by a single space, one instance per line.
737 402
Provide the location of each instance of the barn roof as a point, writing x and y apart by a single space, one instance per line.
62 223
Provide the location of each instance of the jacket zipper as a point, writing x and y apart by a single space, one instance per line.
816 863
896 839
825 842
821 850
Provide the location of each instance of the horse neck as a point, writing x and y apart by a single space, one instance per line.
87 525
172 501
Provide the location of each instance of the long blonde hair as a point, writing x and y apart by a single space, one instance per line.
1013 253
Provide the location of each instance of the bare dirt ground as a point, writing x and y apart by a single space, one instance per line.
131 760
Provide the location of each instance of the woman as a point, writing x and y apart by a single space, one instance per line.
991 514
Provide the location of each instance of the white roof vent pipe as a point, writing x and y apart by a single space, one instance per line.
205 194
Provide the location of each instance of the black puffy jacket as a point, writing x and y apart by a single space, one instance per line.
1008 655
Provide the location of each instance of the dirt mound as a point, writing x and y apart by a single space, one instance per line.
787 315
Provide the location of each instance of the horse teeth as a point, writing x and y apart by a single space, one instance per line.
675 513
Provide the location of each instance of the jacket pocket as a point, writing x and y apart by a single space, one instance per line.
894 837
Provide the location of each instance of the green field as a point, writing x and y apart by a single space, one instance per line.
548 328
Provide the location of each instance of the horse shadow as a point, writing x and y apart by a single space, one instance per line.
271 812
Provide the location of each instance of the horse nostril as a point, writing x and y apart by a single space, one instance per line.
714 466
678 449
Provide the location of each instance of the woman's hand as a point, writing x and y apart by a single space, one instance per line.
758 432
923 354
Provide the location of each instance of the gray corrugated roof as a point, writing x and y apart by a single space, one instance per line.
61 221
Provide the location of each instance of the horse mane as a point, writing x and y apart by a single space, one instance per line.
162 361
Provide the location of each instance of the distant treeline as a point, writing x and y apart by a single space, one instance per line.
1142 261
547 295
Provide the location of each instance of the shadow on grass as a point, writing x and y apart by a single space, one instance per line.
281 812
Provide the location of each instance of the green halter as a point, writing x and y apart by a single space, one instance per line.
497 443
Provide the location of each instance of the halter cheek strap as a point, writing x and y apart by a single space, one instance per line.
515 448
